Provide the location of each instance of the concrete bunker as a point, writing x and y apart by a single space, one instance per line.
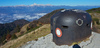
70 25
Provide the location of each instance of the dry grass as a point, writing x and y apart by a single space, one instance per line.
42 31
95 15
96 27
23 30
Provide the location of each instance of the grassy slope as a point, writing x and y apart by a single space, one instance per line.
33 35
95 13
23 32
96 27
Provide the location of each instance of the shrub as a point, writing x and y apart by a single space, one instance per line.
13 36
8 36
28 28
96 20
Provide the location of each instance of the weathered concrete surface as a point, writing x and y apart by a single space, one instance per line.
94 41
46 42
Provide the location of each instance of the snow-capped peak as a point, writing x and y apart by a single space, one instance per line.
41 4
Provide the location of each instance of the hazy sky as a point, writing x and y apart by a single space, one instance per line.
52 2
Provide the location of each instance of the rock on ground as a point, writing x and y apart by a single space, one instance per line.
46 42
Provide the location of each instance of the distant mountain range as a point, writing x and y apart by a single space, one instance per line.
32 12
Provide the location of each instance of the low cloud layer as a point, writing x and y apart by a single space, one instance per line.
28 17
6 19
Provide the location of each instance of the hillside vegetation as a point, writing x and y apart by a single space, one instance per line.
33 35
95 14
94 10
9 29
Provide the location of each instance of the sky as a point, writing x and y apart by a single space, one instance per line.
52 2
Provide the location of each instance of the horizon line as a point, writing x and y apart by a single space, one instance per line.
34 4
48 5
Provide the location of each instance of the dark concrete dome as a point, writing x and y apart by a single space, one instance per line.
70 25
